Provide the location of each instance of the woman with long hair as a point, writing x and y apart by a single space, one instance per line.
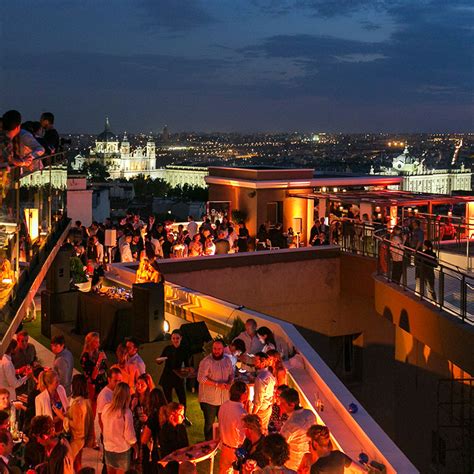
79 420
277 418
277 368
195 248
94 366
149 438
173 433
140 404
129 371
267 338
119 434
52 401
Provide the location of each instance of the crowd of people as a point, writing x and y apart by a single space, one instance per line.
49 415
138 238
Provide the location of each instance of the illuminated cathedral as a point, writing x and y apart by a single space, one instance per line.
121 161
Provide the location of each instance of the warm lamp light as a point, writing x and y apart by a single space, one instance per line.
166 326
32 222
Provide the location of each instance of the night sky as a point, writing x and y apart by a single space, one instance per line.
241 65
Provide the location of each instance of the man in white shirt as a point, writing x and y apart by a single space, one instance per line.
215 375
251 341
231 428
105 396
133 357
192 227
264 388
157 248
99 249
125 250
296 426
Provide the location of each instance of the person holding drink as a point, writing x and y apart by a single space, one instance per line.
94 366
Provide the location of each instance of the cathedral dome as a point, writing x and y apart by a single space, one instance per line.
107 135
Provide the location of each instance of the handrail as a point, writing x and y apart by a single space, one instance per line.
413 251
25 295
453 284
27 172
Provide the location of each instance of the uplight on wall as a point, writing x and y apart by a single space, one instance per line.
32 222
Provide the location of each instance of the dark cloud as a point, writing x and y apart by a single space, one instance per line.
426 59
370 26
174 15
96 71
267 74
320 8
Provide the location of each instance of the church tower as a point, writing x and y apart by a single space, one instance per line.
151 154
125 153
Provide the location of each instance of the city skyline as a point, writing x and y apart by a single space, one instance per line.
261 66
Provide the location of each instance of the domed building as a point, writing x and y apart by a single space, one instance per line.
417 177
121 161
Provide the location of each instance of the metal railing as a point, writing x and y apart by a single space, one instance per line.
441 283
444 285
33 212
447 233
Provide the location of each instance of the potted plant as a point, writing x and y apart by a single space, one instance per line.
78 274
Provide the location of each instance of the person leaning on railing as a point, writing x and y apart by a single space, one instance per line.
10 149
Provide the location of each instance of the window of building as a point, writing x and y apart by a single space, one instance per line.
274 212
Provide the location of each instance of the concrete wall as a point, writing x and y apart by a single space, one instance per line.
443 333
290 289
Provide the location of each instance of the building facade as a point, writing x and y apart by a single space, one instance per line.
57 178
124 162
120 159
181 175
417 177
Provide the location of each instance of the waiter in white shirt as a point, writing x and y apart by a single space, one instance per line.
231 429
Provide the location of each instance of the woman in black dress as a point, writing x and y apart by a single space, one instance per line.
243 240
149 438
94 366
